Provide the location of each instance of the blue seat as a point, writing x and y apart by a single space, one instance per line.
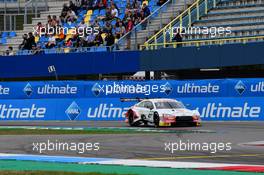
3 41
12 34
4 34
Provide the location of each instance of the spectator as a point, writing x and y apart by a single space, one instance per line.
110 41
98 39
69 43
31 40
38 29
146 10
24 43
114 11
90 40
54 21
129 27
71 16
119 30
51 42
178 39
108 14
108 27
73 7
64 11
10 50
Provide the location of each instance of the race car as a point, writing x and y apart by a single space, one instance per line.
161 112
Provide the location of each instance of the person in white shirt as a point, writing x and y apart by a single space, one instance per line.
114 11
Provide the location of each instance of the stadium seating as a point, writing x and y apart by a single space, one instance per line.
245 19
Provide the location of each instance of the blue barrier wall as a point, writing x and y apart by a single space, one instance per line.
220 99
69 64
127 61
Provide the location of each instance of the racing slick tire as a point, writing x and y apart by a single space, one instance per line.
156 119
131 119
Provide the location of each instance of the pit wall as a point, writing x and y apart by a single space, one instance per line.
216 100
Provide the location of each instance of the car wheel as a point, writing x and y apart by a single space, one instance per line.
131 119
156 120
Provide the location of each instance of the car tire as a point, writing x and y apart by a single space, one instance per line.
131 119
156 120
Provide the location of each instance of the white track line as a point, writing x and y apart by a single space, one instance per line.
110 161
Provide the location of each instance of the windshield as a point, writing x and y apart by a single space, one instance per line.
169 105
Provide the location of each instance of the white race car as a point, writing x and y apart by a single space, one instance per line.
161 112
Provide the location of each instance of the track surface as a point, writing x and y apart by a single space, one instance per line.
151 146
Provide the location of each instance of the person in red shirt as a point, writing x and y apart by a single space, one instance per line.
129 27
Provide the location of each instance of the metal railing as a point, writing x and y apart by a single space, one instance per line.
35 4
237 40
63 50
129 40
185 19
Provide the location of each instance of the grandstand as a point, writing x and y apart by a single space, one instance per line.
92 17
244 19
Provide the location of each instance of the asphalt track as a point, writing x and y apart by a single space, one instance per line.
151 146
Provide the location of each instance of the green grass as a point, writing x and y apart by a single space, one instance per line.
50 172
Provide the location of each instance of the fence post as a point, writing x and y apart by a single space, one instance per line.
190 17
206 7
197 10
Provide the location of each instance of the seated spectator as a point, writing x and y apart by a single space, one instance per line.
108 14
38 28
119 30
10 50
110 41
108 27
71 16
51 42
54 21
90 40
31 40
98 40
69 43
60 36
24 44
114 11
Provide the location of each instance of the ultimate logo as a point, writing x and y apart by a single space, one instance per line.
240 87
96 89
168 88
28 90
73 111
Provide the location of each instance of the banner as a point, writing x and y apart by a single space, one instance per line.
132 89
211 108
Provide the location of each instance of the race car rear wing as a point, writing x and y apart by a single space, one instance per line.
132 99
